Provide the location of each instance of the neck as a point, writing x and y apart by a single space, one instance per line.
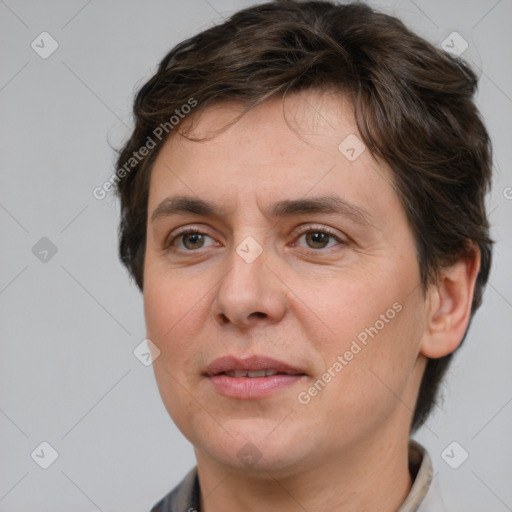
370 477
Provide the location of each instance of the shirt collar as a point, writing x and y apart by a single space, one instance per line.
420 468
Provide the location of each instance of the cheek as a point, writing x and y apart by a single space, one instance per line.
168 299
383 355
374 326
171 315
353 307
173 309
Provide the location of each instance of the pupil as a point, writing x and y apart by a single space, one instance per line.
194 238
318 238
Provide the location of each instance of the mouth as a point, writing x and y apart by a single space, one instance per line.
253 367
252 377
252 373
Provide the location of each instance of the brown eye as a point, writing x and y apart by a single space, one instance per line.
193 240
320 239
188 241
317 239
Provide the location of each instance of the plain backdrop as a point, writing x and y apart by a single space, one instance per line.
71 318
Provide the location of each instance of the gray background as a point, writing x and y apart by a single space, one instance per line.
69 325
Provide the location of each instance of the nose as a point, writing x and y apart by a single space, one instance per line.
250 293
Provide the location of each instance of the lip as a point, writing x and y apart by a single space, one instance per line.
251 387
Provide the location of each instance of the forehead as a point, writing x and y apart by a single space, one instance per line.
312 119
308 144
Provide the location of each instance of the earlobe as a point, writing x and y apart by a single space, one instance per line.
450 306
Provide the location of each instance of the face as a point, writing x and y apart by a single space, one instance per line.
284 295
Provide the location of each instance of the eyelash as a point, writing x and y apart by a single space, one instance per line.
168 244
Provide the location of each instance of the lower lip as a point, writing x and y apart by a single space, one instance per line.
252 387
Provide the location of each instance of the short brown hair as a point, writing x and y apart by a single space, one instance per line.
413 104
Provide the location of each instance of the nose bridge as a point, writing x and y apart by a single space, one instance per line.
247 268
248 290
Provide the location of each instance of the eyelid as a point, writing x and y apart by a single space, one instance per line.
304 228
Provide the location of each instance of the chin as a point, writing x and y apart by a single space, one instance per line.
256 447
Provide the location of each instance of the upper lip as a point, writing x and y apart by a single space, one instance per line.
252 363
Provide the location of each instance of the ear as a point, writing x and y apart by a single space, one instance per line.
450 306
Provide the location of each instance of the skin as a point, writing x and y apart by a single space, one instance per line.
300 301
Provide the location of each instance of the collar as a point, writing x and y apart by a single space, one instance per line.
420 468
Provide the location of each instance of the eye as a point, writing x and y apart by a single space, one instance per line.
190 240
319 238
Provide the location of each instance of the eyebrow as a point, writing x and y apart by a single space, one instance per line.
325 204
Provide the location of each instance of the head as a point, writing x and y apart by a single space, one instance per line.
262 109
